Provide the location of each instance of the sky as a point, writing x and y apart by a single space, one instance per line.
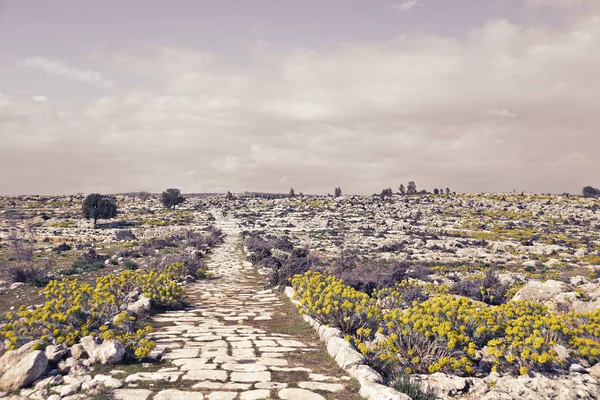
265 95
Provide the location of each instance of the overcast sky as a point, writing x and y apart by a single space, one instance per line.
263 95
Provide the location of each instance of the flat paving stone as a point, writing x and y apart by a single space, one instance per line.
222 396
255 394
264 376
299 394
326 387
170 394
132 394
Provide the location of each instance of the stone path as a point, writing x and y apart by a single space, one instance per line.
227 345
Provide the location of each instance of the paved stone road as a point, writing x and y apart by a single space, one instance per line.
224 347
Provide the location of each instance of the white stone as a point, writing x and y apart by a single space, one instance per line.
326 387
25 371
171 394
263 376
255 394
132 394
153 377
299 394
206 375
222 396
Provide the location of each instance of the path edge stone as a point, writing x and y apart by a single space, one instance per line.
350 360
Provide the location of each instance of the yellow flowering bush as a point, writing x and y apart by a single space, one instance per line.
73 310
445 332
330 302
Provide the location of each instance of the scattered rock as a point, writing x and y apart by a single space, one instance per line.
25 372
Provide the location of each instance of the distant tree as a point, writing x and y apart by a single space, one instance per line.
387 193
411 188
402 189
448 191
292 193
337 192
301 194
436 191
590 191
229 196
170 198
97 206
144 196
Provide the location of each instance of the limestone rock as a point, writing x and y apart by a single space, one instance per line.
77 351
141 307
25 372
132 394
11 358
299 394
108 352
55 353
445 385
540 291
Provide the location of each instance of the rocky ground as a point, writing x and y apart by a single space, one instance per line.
239 338
236 340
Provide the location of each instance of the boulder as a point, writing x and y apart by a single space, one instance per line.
25 372
55 353
595 371
77 351
108 352
540 291
11 358
445 385
141 307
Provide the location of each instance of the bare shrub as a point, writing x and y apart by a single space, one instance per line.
125 234
489 290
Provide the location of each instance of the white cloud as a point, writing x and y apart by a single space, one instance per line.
560 3
406 5
500 113
60 68
40 99
509 107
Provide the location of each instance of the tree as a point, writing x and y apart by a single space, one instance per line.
171 198
292 193
229 196
590 191
337 192
402 189
411 188
436 191
98 206
143 196
387 193
447 191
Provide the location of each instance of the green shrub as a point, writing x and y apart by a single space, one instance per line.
130 265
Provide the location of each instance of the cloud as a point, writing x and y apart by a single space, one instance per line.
500 113
406 5
60 68
564 4
40 99
508 107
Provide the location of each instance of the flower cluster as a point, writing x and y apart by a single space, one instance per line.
73 310
447 333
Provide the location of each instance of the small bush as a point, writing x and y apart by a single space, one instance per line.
402 383
34 276
130 265
187 265
125 234
488 289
